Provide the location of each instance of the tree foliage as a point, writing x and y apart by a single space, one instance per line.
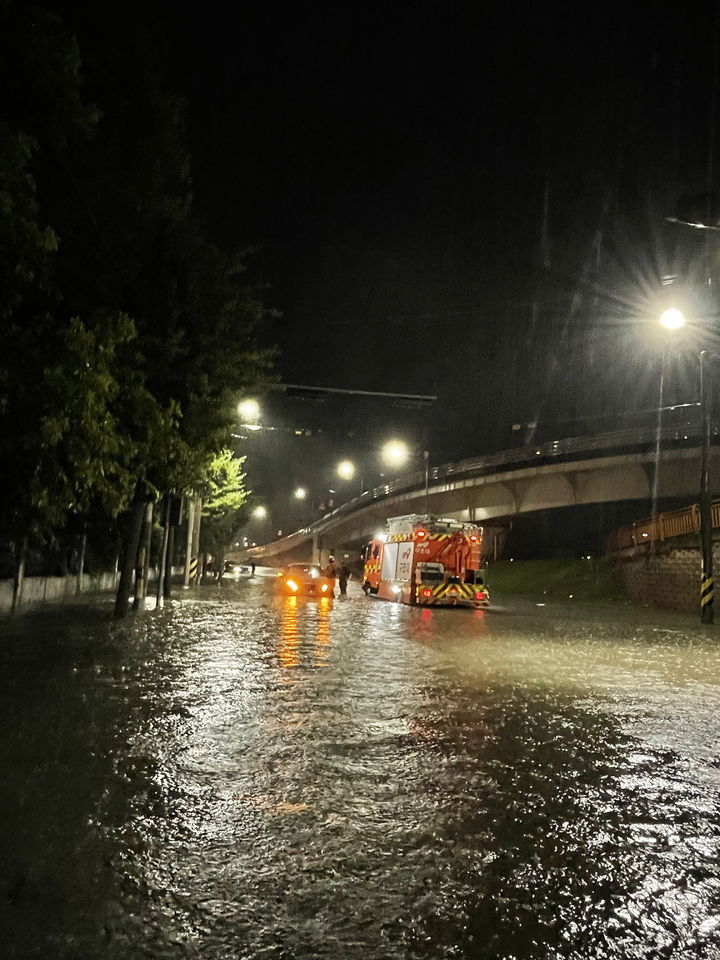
224 496
125 333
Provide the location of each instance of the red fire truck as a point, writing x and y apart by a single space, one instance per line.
427 561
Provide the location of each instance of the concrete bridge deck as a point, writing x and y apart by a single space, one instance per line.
634 464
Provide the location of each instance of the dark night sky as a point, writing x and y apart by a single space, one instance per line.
416 180
450 198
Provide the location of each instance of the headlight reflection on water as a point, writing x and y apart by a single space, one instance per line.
448 785
315 615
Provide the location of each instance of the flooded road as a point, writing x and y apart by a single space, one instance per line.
243 776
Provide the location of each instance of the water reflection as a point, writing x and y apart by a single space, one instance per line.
289 651
447 785
314 617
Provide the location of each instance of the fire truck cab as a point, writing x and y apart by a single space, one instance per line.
427 561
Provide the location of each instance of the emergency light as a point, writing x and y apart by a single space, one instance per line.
421 534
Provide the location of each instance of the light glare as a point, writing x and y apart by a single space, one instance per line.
395 453
346 470
672 319
249 410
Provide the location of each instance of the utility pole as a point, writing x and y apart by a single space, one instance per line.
707 588
190 511
196 538
426 458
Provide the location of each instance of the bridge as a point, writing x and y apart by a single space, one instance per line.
631 464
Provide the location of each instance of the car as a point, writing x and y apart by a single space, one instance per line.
305 580
234 570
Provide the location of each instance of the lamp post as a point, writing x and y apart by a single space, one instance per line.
707 587
426 458
674 319
260 513
346 470
300 495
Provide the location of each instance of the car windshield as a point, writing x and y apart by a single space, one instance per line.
300 569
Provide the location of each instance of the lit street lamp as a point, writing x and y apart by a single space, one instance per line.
345 469
249 410
395 453
674 319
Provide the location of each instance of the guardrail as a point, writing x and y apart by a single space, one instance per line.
662 526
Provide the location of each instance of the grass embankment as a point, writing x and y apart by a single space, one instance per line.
554 579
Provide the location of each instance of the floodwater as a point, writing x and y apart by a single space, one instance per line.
242 776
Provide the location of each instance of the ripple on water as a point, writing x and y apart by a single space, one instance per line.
246 776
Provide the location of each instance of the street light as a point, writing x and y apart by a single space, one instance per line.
395 453
345 470
249 412
674 319
300 493
260 512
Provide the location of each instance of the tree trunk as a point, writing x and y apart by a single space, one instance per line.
163 556
131 538
81 564
143 561
19 577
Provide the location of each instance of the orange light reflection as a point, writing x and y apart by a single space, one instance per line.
289 652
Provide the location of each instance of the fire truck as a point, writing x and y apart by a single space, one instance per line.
427 561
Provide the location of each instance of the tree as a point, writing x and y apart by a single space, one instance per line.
57 381
126 334
224 496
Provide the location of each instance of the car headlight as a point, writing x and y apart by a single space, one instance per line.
292 585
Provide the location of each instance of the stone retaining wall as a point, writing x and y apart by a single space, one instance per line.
666 576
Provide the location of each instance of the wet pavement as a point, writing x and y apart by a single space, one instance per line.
247 776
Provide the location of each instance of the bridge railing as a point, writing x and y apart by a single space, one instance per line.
630 438
662 526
